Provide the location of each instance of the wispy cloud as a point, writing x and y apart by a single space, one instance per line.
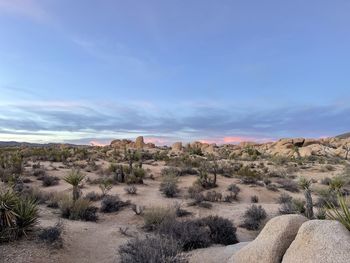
31 9
74 121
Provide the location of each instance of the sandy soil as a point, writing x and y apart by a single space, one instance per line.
99 242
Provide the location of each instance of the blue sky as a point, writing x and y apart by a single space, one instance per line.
218 71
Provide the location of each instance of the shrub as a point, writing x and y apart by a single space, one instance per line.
194 190
213 196
155 249
284 198
137 176
180 212
289 185
131 190
254 199
79 209
222 231
253 217
337 183
326 198
171 171
39 172
154 216
169 186
293 207
189 234
50 180
112 203
272 187
52 235
93 196
234 189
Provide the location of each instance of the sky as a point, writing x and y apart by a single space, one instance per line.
89 71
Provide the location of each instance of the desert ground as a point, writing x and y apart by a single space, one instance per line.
255 172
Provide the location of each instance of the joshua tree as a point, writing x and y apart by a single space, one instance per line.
305 184
74 178
346 147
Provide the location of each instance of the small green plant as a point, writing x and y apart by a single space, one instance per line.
105 186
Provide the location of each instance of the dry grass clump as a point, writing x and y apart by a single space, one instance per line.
80 209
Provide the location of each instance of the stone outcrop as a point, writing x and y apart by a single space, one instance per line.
176 147
323 241
215 254
272 242
139 142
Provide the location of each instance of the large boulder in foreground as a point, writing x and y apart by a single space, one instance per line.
272 242
215 254
325 241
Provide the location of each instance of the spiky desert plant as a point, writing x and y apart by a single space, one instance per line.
341 214
74 178
27 214
8 200
305 184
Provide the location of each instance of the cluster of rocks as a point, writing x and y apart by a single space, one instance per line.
287 239
177 147
294 147
128 144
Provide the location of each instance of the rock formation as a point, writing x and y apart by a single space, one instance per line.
272 242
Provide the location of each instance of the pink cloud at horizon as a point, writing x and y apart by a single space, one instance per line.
97 143
156 140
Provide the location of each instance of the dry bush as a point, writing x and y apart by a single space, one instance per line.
156 249
253 217
254 199
52 235
112 203
289 185
93 196
154 216
169 186
131 189
50 180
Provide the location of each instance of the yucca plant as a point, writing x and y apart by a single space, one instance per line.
74 178
8 201
27 214
341 214
17 215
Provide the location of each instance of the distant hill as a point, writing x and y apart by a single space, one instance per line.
344 136
28 144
